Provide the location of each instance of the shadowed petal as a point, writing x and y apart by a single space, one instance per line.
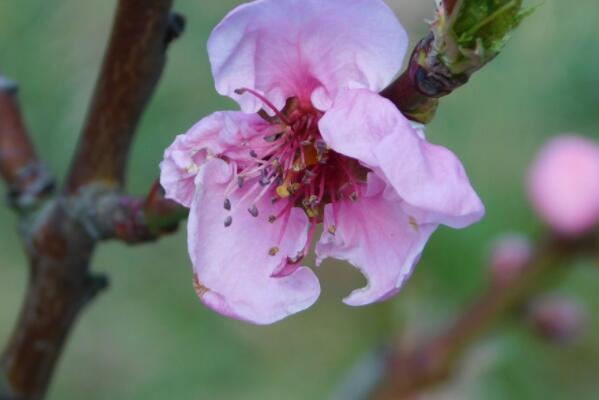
429 179
233 265
378 238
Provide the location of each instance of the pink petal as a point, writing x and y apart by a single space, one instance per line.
221 132
233 266
305 48
564 184
379 238
428 178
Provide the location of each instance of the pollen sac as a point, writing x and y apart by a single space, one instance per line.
283 192
332 230
298 257
253 210
273 138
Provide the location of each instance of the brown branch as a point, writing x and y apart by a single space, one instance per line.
132 66
60 238
27 178
410 371
109 215
60 285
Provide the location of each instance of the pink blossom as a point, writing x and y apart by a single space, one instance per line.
563 184
324 149
509 256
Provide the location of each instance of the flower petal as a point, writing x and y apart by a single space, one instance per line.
430 179
376 236
305 48
229 133
233 266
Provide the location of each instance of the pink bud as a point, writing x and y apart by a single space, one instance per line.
509 255
564 184
558 319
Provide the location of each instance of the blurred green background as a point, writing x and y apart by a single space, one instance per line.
149 338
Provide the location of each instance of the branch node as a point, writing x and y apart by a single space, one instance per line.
175 28
8 86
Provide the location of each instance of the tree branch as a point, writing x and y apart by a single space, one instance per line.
410 371
61 237
27 178
110 215
132 66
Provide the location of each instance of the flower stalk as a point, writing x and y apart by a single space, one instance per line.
464 37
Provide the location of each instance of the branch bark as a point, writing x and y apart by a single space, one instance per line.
60 237
410 371
27 178
132 67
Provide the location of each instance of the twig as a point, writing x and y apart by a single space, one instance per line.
61 236
412 370
133 220
27 178
452 52
132 67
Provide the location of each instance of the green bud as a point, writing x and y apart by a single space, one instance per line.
470 33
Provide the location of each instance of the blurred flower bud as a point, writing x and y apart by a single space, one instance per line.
556 318
509 255
563 184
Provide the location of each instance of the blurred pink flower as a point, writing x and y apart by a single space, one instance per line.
325 148
509 255
557 318
563 184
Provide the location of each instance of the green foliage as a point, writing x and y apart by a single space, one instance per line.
477 31
487 23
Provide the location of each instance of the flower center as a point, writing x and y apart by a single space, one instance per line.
296 166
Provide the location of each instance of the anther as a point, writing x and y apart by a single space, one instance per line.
332 229
253 154
273 251
353 196
273 138
299 257
228 221
240 181
227 205
253 210
272 219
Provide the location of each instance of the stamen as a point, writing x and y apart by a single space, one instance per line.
227 204
253 210
272 219
273 251
253 154
332 229
265 101
228 221
273 138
